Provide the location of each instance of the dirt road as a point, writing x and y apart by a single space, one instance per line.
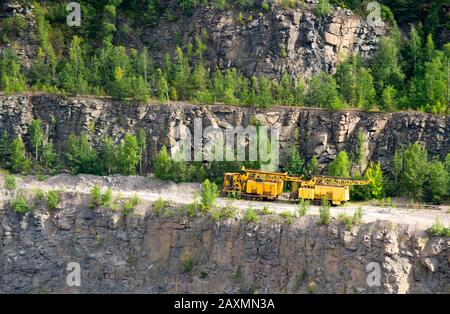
150 189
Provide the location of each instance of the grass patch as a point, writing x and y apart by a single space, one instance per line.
265 210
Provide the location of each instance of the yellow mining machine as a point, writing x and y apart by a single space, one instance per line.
262 185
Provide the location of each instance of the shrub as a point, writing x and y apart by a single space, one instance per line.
52 199
438 229
234 195
304 206
20 205
324 212
194 206
10 182
96 197
99 199
107 197
209 194
250 216
188 264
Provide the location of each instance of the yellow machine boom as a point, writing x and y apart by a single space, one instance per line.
269 185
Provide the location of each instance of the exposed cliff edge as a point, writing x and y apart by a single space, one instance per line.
143 253
321 133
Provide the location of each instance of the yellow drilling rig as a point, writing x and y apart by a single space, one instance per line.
255 184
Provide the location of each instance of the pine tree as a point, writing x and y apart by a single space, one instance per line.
388 98
108 155
37 136
128 155
49 156
5 149
386 64
162 164
19 161
162 87
142 142
365 90
181 75
414 170
436 182
11 77
296 164
323 93
81 157
74 75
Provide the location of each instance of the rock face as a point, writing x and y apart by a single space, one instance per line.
320 133
147 254
271 43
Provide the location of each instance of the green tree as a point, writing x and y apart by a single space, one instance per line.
415 166
5 149
128 155
340 167
182 75
313 167
209 194
360 151
435 81
36 135
436 189
19 161
81 157
388 98
162 164
162 87
386 64
323 93
295 164
48 158
11 77
74 75
142 143
108 155
375 177
365 90
323 7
